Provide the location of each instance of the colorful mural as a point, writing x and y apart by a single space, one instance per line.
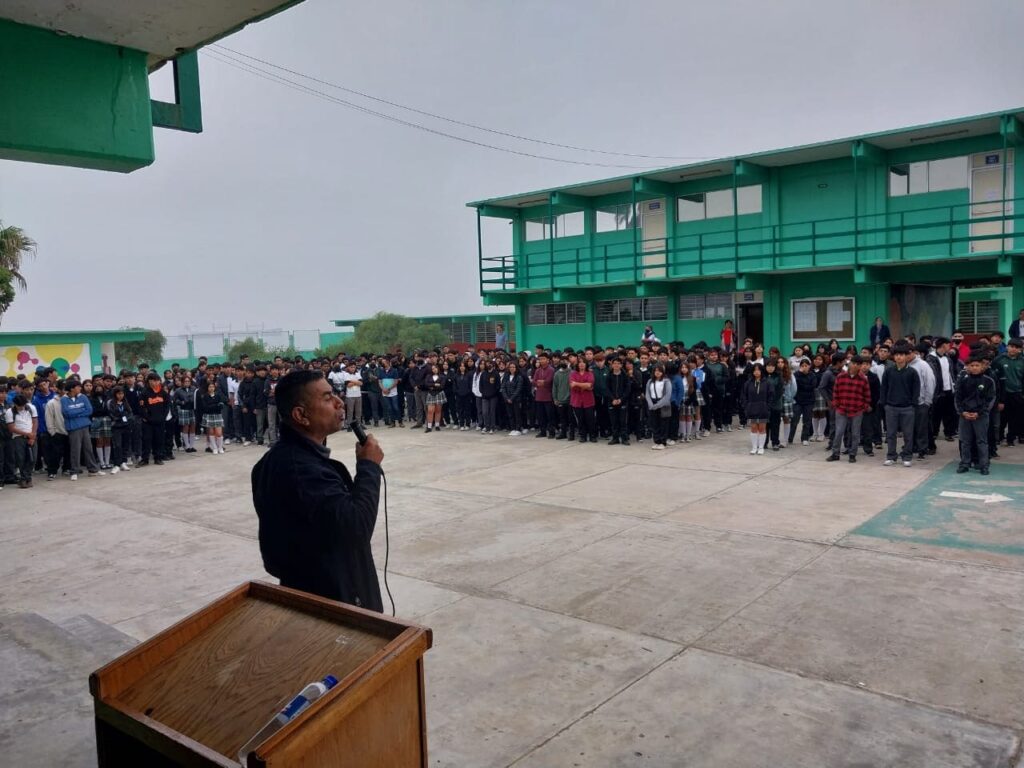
65 358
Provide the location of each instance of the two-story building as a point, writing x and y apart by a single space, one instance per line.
919 226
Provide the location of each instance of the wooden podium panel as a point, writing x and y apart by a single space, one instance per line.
195 693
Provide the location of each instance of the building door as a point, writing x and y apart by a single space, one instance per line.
750 322
987 201
652 234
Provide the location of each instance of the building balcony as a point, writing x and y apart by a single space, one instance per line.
944 233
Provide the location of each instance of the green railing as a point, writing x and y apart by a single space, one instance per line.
926 234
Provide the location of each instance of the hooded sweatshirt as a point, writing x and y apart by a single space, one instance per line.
77 412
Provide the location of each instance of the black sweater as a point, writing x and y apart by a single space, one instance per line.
974 394
900 389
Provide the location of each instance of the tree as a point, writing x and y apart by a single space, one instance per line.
386 332
14 245
254 348
149 350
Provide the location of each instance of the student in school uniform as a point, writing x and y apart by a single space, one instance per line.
210 406
120 429
851 399
757 396
658 397
974 398
581 398
560 397
21 421
775 406
619 387
901 389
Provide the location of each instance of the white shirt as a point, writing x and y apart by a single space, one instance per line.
23 418
232 389
947 379
353 383
337 379
924 372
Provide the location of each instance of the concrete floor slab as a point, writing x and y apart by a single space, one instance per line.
482 549
661 579
781 506
503 678
727 712
944 634
608 492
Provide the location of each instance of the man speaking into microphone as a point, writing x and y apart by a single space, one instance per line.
316 522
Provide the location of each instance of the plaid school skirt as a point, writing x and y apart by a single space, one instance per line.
700 399
436 398
787 410
186 418
100 426
820 401
213 421
687 410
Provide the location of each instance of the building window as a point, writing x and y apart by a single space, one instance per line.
459 333
566 225
830 318
615 217
572 313
979 316
930 176
705 306
717 204
631 310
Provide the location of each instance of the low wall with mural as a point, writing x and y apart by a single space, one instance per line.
65 358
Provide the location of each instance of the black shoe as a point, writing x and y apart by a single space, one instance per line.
551 436
852 459
614 441
832 457
962 470
209 449
775 447
158 462
541 434
583 438
921 457
869 453
625 441
561 436
949 438
593 439
142 463
984 471
931 451
170 457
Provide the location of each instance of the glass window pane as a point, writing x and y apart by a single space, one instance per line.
690 207
656 308
556 314
537 314
484 332
630 310
605 220
536 229
918 178
577 312
718 305
899 180
606 312
948 173
748 199
719 203
624 217
691 307
569 224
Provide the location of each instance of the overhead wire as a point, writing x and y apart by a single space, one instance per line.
259 72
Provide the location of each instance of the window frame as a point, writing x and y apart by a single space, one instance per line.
703 202
570 311
927 167
644 315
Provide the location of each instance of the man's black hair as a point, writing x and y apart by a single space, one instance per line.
290 388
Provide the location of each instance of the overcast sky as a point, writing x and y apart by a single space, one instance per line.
290 211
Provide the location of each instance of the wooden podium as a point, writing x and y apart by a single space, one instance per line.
198 691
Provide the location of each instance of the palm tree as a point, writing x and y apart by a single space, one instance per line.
14 244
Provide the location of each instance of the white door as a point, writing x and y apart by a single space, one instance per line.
652 234
987 200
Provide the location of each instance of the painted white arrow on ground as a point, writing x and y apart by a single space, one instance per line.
988 498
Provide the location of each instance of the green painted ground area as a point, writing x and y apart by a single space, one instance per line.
959 511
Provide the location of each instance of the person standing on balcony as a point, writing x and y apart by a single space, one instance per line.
500 337
879 332
649 337
728 337
1017 326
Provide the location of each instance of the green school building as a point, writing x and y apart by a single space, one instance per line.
919 225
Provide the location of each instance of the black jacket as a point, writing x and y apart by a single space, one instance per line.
806 383
975 394
756 398
316 523
490 384
900 388
617 387
212 404
155 405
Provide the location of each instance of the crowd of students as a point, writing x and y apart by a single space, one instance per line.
669 394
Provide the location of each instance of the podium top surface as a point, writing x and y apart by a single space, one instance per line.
218 676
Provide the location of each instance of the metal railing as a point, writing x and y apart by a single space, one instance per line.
953 231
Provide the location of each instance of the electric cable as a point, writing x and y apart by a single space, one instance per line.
452 120
223 59
387 542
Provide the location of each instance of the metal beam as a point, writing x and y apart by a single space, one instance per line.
753 282
649 188
569 294
186 113
568 202
750 173
867 275
1012 130
863 150
498 212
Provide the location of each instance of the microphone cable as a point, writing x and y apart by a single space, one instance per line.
387 542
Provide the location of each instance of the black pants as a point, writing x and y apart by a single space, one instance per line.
566 421
587 419
7 468
922 428
713 411
802 413
120 445
638 418
601 413
22 458
547 422
944 415
673 424
56 450
870 431
618 421
659 426
153 436
465 410
774 420
974 436
1013 415
514 410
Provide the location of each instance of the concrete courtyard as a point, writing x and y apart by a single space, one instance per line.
591 605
